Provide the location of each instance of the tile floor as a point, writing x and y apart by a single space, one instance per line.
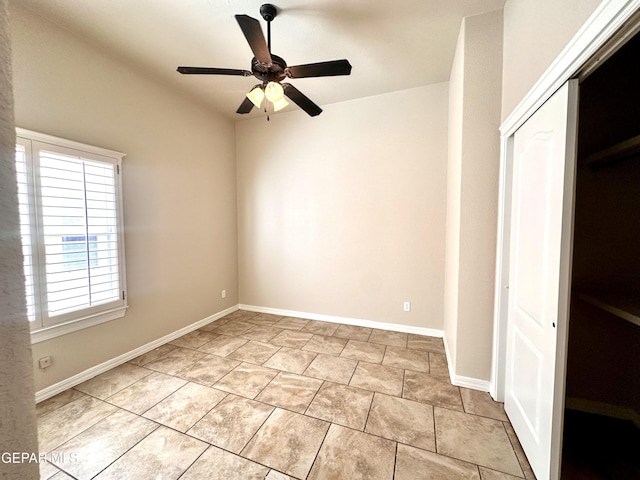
259 396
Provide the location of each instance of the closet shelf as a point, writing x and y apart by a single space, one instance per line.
614 154
623 305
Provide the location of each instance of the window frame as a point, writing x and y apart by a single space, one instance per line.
45 327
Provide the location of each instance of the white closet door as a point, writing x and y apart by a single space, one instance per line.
540 266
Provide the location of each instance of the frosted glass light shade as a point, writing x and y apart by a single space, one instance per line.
256 96
274 92
280 104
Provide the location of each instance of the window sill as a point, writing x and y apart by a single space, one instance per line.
47 333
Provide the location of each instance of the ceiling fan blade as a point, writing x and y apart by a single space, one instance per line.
320 69
245 106
301 100
253 33
213 71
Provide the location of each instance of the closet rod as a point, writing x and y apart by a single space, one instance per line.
614 154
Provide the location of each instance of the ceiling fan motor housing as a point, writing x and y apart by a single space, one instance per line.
273 72
268 12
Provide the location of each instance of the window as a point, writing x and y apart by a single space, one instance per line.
71 227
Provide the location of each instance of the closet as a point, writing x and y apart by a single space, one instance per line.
602 416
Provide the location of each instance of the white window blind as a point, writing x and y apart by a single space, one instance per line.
25 206
71 232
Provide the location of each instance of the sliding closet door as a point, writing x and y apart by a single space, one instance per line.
540 260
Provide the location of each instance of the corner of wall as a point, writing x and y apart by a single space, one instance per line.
17 401
472 194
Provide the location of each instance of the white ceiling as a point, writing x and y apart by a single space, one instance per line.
392 45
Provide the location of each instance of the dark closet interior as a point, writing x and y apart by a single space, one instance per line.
602 415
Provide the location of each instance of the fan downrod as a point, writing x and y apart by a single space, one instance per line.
268 12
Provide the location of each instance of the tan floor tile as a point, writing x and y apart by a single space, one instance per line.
341 404
264 319
57 401
194 340
378 378
364 351
145 393
47 470
353 332
481 403
87 454
210 327
254 352
321 328
431 389
415 464
223 345
242 315
488 474
291 323
232 423
152 355
292 339
209 369
333 369
183 408
328 345
385 337
290 391
175 361
438 365
246 380
274 475
235 327
61 476
291 360
522 458
288 442
66 422
347 453
415 360
423 342
112 381
474 439
216 464
164 454
402 420
261 333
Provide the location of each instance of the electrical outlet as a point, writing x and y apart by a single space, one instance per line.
224 294
44 362
407 306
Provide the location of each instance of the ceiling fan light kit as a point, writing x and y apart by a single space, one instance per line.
256 96
271 70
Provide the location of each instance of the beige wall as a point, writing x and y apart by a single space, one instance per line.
178 181
535 32
344 214
17 407
474 158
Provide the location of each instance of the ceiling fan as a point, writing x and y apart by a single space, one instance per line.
271 70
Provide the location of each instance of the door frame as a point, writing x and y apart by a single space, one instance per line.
608 28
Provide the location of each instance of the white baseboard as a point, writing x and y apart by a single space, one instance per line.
470 382
604 409
431 332
462 381
89 373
